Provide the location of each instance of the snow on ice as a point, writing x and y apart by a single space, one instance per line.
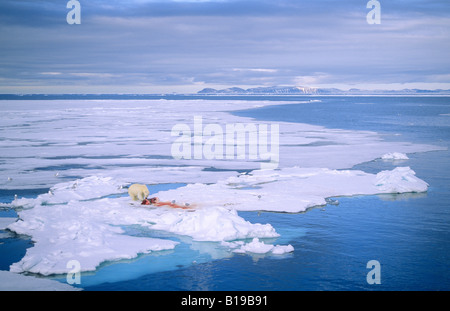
85 224
103 146
295 189
90 230
94 137
17 282
395 156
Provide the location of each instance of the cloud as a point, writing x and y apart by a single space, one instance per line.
51 73
313 80
236 42
264 70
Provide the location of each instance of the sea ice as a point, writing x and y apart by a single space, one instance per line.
47 142
282 249
6 221
400 180
210 223
294 189
10 281
395 156
65 225
258 247
102 146
86 224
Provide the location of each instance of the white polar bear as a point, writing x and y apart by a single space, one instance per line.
138 192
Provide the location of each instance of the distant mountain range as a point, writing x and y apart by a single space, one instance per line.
302 90
272 90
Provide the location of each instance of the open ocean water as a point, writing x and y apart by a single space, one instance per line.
407 234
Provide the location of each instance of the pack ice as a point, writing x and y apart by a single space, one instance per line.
76 220
295 189
103 146
84 220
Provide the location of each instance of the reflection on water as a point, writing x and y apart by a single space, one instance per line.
402 196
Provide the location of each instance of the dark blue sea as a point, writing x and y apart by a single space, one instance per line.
407 234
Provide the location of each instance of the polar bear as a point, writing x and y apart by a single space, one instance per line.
138 192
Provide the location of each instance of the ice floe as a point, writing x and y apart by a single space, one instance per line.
16 282
395 156
86 223
258 247
87 152
399 180
47 141
295 189
6 221
74 223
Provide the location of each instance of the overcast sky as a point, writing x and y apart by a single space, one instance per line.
156 46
